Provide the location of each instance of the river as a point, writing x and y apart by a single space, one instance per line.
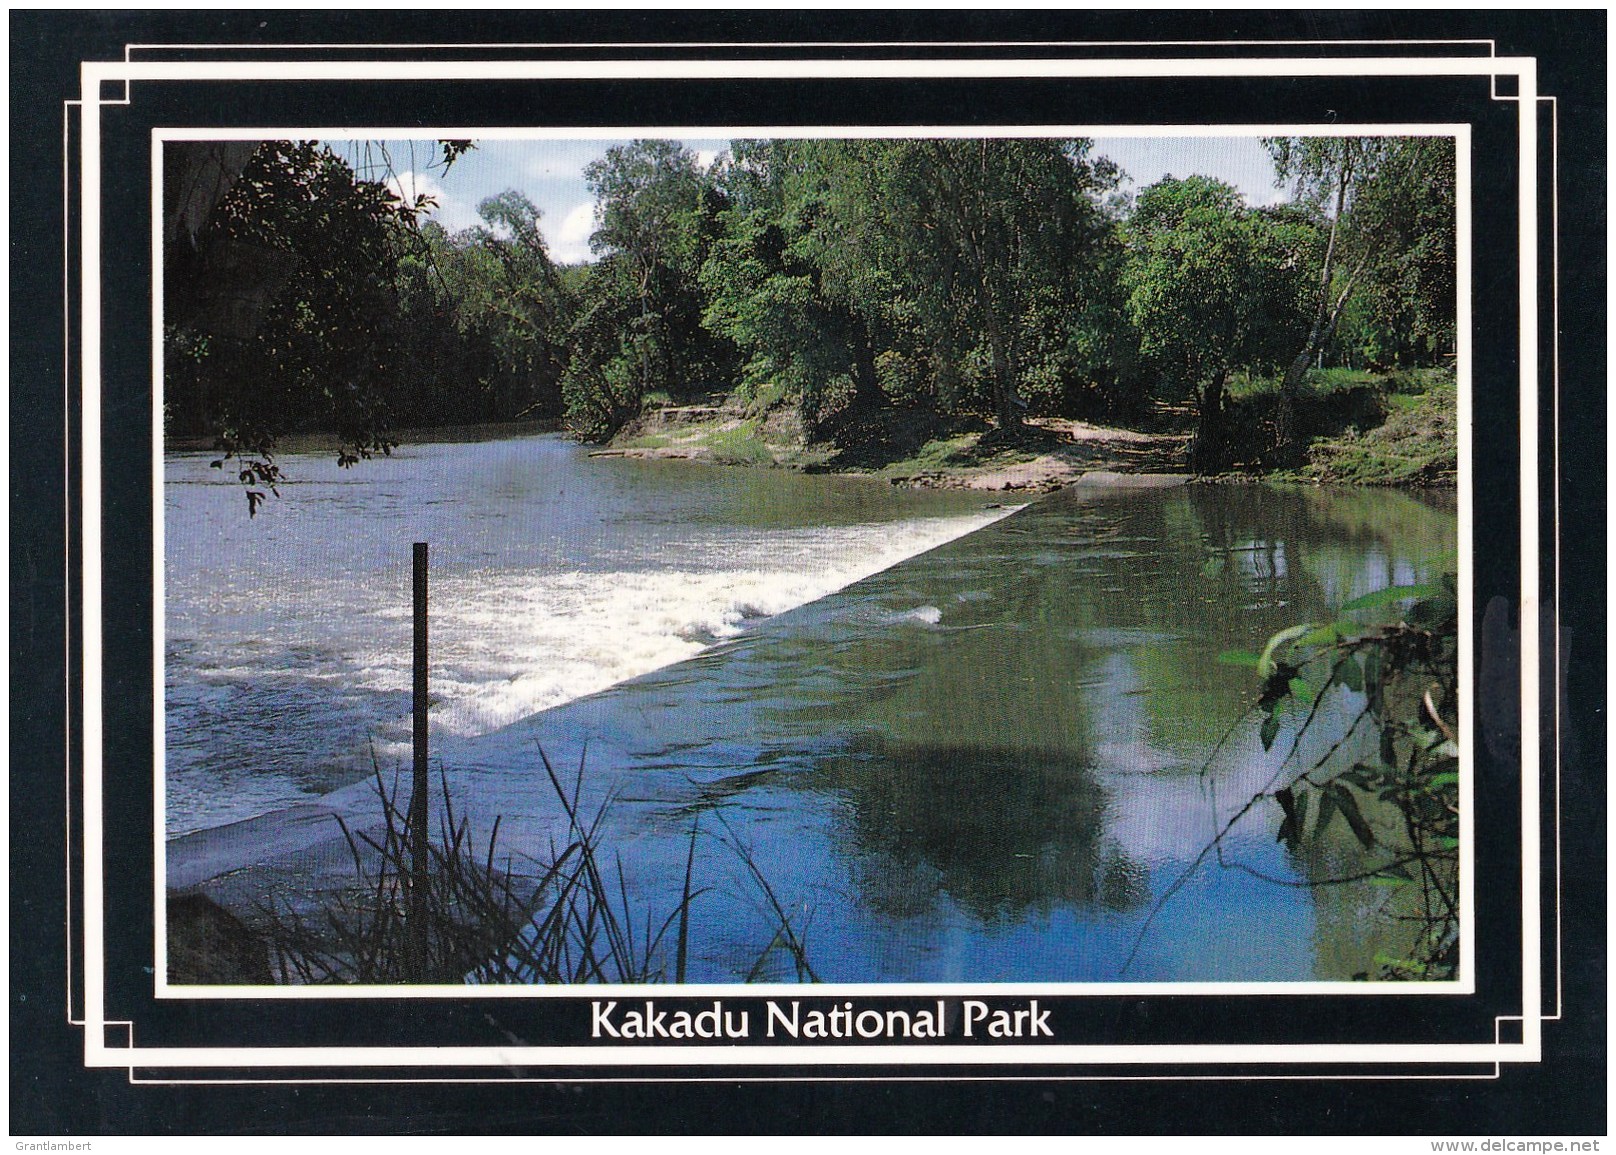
961 743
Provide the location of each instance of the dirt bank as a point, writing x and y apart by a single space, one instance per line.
1055 452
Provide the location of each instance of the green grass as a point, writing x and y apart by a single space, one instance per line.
1317 383
941 453
964 452
760 398
1416 445
1364 428
646 441
721 440
1322 382
742 445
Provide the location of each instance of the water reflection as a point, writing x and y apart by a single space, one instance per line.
1020 720
1002 832
990 761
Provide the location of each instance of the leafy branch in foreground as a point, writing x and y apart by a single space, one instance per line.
1390 777
568 919
1404 675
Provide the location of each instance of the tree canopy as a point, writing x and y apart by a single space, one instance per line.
1213 286
1387 206
963 277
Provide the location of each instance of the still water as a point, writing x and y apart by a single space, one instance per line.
959 743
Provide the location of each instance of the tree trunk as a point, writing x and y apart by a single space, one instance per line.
1208 453
1004 379
1289 442
867 395
1288 449
1287 437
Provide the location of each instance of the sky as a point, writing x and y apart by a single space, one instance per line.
550 174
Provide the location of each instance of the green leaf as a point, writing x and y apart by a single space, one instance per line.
1410 965
1384 880
1239 658
1269 731
1327 809
1391 595
1320 636
1303 690
1355 819
1349 674
1371 676
1291 827
1437 781
1361 776
1433 610
1268 662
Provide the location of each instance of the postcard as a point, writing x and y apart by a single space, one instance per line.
771 561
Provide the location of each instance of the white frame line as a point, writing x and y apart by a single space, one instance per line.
1463 985
692 45
752 69
92 73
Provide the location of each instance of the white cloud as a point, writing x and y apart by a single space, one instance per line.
569 241
706 156
1261 198
408 185
450 211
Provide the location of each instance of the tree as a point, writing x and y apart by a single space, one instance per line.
505 291
776 286
970 230
1403 673
1212 287
1382 199
279 267
1080 355
658 217
1407 300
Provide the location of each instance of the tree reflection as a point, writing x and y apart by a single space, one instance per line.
1002 832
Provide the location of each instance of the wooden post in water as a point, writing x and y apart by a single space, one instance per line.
416 946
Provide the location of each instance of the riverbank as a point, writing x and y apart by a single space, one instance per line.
1365 429
908 449
1416 444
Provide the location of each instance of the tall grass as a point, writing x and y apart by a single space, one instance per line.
501 919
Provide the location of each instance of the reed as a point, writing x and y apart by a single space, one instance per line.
492 917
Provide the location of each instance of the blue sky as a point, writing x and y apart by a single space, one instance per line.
550 174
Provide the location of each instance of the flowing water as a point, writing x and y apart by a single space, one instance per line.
958 745
553 575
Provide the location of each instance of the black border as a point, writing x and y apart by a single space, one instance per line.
51 1093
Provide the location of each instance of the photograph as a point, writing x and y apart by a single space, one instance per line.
845 561
797 572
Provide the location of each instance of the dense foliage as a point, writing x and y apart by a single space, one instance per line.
1212 288
834 280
